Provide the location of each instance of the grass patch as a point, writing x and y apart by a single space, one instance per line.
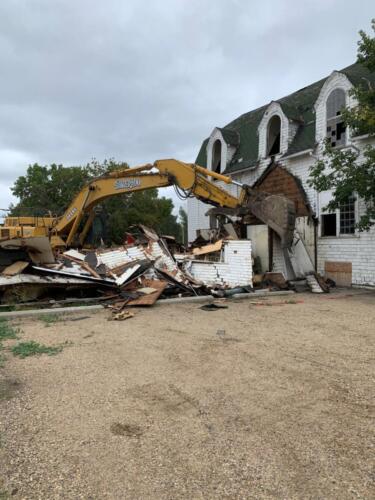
49 319
31 348
9 308
6 330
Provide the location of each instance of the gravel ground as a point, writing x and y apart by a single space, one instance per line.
253 401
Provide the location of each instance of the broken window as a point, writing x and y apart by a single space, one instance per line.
347 216
273 136
342 221
328 224
336 129
216 157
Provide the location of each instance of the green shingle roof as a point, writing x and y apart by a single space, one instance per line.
299 107
230 136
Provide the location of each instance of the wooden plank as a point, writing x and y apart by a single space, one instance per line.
276 278
337 267
151 298
214 247
147 290
90 270
257 278
339 272
74 254
83 264
15 268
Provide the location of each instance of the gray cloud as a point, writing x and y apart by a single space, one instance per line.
139 81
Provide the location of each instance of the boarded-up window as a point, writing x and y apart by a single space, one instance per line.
336 129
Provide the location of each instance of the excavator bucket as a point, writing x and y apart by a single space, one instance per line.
276 211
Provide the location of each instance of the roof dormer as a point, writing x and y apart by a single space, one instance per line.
221 147
333 97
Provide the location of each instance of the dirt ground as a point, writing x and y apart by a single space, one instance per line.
253 401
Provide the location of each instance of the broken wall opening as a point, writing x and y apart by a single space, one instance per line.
279 181
259 236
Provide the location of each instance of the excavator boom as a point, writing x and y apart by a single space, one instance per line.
276 211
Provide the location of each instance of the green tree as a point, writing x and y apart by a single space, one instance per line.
339 170
49 189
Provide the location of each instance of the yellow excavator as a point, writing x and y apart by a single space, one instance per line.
275 211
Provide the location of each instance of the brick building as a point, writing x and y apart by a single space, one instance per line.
272 148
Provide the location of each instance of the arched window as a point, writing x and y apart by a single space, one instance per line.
273 136
216 156
336 130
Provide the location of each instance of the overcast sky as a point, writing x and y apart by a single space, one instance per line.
140 81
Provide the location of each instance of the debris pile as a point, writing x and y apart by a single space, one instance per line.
145 269
137 273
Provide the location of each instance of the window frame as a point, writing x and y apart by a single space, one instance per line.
351 200
337 212
333 121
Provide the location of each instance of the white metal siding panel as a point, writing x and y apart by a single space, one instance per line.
235 270
120 256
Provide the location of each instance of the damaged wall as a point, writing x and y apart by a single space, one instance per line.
234 269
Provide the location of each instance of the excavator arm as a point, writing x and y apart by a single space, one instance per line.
276 211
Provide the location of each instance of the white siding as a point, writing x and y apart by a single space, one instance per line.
234 270
359 250
196 217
